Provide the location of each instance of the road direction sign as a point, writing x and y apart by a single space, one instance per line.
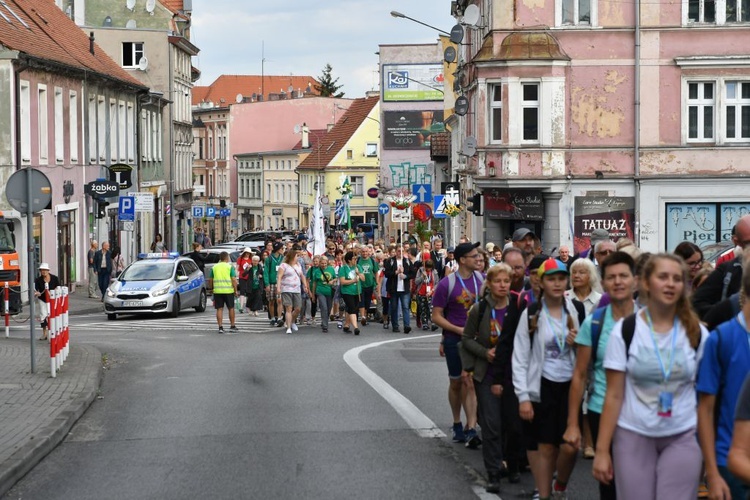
439 203
197 211
423 192
126 208
384 208
401 215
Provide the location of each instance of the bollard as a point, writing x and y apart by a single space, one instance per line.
7 310
56 327
51 331
66 325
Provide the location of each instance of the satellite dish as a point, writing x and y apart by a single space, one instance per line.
297 129
449 55
290 89
131 24
254 97
130 4
462 106
470 146
150 6
239 98
143 63
471 15
457 34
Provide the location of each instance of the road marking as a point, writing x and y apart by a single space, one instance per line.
412 415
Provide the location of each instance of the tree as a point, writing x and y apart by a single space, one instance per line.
327 86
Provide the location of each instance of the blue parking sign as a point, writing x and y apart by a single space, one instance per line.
210 212
197 211
126 209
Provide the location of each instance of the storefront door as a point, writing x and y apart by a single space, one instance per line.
66 270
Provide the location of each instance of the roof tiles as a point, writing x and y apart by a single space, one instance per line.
227 87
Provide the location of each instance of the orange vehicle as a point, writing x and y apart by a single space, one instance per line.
10 266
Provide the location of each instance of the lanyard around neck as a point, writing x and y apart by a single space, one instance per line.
559 339
476 287
666 372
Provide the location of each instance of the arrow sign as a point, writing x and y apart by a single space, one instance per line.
384 208
423 192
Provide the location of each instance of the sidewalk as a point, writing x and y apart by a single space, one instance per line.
37 411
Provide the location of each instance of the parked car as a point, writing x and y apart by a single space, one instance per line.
711 253
262 236
211 257
156 283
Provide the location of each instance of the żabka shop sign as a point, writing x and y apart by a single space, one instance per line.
616 214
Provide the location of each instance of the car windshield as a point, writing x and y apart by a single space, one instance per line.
148 271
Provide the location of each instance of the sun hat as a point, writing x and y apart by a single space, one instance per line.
247 250
44 266
551 266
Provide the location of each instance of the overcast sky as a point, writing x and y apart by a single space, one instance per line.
301 36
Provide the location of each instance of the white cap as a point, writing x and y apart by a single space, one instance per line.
44 266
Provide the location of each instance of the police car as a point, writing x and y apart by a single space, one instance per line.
157 283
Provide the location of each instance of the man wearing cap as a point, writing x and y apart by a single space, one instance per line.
46 281
270 269
523 238
451 302
597 235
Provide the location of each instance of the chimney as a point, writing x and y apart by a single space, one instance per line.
305 136
91 43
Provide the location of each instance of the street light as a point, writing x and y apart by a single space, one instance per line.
398 14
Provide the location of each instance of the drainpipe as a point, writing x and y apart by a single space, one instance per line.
637 127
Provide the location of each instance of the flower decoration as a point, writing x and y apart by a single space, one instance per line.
345 188
402 199
452 210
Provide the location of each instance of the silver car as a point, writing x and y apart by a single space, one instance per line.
157 283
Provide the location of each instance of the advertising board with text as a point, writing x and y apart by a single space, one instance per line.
411 129
413 82
702 223
616 214
517 204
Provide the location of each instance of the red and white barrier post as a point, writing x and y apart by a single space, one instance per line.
6 298
59 330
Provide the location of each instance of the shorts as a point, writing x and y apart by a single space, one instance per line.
351 302
224 299
272 293
550 414
452 357
292 299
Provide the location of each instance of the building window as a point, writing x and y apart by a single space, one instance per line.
530 112
496 113
59 132
702 11
700 111
132 52
349 154
73 126
575 12
371 150
737 117
357 183
738 11
43 126
25 122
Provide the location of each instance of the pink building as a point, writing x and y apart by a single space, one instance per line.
631 117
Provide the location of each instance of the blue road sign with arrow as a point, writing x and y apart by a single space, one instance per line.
384 208
423 192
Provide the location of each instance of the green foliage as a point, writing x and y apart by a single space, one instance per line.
327 84
422 231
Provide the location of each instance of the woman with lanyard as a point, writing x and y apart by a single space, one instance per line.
350 278
649 414
323 279
543 361
493 317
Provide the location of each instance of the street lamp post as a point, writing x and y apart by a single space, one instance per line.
398 14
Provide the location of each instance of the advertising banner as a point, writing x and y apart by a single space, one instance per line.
413 82
616 214
702 223
518 204
411 129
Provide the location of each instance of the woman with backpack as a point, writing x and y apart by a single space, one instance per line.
543 362
649 416
489 321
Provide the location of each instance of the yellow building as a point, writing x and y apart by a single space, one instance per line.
350 148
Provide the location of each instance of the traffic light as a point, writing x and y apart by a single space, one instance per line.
474 204
101 209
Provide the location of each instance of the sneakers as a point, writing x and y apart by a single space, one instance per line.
295 328
434 328
559 495
385 326
340 324
234 329
458 433
356 331
221 329
347 330
325 330
363 321
425 327
493 482
407 329
280 322
396 330
472 439
288 331
274 321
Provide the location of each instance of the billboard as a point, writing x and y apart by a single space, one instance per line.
616 214
412 82
411 129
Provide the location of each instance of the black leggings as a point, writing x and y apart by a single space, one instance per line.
351 302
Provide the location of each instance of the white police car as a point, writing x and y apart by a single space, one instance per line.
157 283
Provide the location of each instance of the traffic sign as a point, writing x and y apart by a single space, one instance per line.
384 208
401 215
210 212
126 209
439 203
144 201
225 212
423 192
197 211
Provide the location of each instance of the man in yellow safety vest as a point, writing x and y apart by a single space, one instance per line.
223 280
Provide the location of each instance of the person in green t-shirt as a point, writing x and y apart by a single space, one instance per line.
323 279
350 279
368 267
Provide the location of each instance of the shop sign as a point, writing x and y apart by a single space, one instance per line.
702 223
411 129
519 204
616 214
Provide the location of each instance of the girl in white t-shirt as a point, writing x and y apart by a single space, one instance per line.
649 415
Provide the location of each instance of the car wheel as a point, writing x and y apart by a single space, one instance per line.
111 317
201 307
175 306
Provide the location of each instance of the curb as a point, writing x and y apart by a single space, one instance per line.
48 437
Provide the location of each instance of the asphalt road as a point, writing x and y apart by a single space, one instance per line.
188 413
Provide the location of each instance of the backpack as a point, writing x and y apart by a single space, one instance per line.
597 322
452 283
533 316
736 266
